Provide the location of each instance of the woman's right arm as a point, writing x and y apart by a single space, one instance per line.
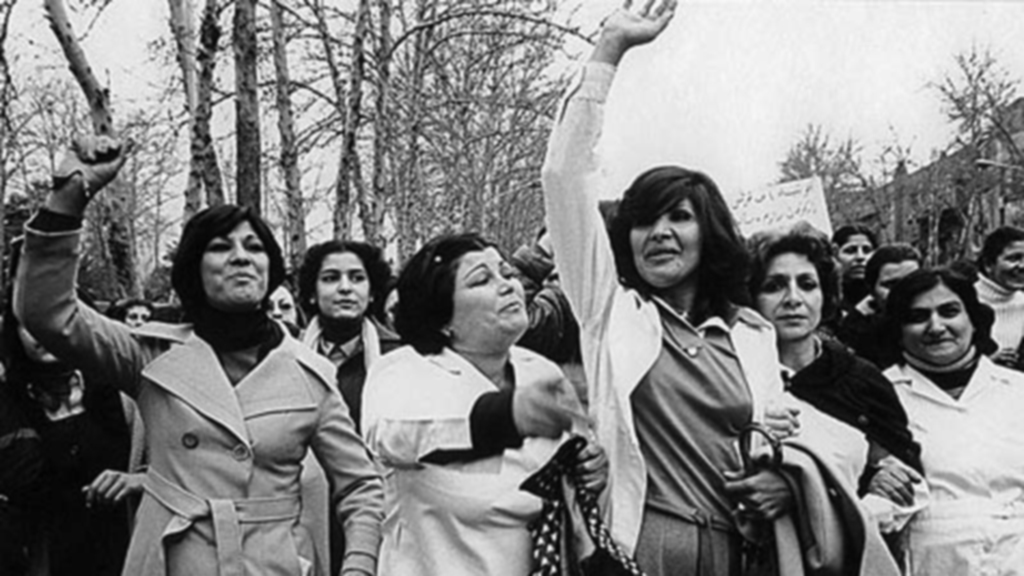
44 297
572 176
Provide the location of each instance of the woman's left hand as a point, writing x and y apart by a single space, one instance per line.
592 467
763 495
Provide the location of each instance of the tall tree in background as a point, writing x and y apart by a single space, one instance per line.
112 205
350 166
974 96
7 93
247 107
295 229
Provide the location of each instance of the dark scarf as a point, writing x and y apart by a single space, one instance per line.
339 330
853 391
951 377
234 331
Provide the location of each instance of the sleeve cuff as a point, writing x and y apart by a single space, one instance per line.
491 425
50 221
596 81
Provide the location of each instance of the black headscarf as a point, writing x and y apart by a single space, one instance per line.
225 331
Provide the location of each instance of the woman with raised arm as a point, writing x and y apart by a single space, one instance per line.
231 403
676 366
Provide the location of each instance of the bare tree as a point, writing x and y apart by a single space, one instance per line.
7 93
112 206
247 109
350 167
974 96
295 229
201 139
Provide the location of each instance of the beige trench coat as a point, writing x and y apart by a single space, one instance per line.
222 490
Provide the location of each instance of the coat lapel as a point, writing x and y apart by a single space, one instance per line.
193 373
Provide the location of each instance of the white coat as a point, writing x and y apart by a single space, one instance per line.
620 332
973 456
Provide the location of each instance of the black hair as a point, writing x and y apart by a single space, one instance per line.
888 254
844 233
724 261
378 272
119 310
805 241
995 243
208 224
902 296
426 290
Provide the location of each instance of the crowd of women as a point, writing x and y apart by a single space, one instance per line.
668 397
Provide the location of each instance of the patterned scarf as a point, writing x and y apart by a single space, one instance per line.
552 555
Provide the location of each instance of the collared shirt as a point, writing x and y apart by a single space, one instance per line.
338 354
688 412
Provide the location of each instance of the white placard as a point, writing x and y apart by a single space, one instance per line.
781 206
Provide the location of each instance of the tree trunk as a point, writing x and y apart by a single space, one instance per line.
185 41
372 208
202 141
112 205
247 107
95 94
349 172
295 214
6 97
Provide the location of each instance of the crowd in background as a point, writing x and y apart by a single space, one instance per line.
636 390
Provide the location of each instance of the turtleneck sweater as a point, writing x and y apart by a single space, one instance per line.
1009 308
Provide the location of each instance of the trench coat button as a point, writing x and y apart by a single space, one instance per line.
240 452
189 440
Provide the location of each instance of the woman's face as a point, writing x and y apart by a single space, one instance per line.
137 316
853 256
667 252
1008 269
235 270
938 329
282 306
489 308
791 297
342 287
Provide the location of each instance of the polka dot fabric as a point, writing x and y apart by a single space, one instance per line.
552 555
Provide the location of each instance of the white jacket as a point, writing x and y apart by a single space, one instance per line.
462 518
973 456
620 332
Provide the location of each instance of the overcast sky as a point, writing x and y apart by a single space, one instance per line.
730 85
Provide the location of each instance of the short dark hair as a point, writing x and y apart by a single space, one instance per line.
724 262
119 311
205 226
426 289
995 243
916 283
844 233
888 254
805 241
378 271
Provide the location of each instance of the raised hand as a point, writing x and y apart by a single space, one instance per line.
89 165
628 27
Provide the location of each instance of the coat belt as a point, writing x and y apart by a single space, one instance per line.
227 515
